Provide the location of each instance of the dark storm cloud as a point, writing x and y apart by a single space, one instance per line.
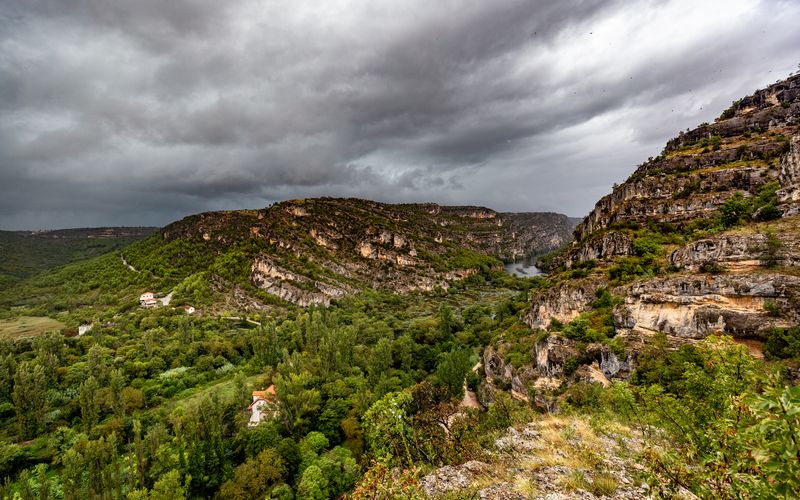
141 112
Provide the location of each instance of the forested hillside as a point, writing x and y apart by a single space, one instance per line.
26 253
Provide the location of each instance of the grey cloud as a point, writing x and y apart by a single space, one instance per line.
141 112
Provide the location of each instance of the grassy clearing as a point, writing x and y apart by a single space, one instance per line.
28 326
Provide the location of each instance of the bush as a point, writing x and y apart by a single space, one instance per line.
731 111
772 308
631 268
734 210
782 343
772 249
711 267
646 246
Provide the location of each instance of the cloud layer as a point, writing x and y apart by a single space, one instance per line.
128 113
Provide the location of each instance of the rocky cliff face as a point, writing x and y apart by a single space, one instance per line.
703 239
309 252
789 195
700 169
694 306
562 302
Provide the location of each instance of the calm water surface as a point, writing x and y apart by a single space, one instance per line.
523 268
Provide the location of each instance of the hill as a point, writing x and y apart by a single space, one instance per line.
26 253
672 285
703 239
311 251
301 252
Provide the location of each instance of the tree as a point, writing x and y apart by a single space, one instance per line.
10 455
313 484
72 475
116 382
256 477
8 366
447 322
30 398
733 210
775 438
340 468
48 351
452 371
43 483
380 359
168 487
90 410
97 363
387 429
298 399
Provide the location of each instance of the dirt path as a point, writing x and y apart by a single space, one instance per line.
470 399
125 263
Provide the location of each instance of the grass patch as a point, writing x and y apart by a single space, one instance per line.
28 326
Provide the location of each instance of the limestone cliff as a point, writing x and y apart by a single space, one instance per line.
703 239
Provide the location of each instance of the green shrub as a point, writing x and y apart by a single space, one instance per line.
631 268
782 343
772 308
731 111
772 249
734 210
646 245
712 267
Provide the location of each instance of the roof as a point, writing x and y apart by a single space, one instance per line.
266 394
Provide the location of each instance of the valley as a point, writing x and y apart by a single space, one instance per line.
417 351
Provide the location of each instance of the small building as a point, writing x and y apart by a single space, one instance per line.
263 407
148 300
189 309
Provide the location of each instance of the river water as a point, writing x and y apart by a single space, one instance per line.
522 268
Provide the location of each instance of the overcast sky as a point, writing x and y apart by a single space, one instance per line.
120 112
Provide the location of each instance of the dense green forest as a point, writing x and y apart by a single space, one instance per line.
153 404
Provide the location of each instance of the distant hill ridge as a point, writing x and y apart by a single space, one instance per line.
26 253
314 250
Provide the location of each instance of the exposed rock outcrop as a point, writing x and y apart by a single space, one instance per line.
698 306
736 252
563 303
601 246
789 195
293 287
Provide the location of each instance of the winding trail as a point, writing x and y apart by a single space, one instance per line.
125 263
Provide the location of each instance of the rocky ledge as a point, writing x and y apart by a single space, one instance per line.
552 458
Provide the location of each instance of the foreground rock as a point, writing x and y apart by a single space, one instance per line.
552 458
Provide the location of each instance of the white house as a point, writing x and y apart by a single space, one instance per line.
147 300
189 309
263 406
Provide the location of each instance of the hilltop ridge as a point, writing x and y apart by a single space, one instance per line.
314 250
